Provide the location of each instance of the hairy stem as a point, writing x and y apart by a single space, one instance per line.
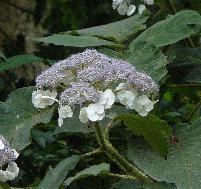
114 155
107 130
92 153
129 177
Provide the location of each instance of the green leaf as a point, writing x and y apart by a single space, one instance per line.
159 185
185 66
76 41
56 176
42 138
128 184
91 171
19 60
174 28
148 59
18 116
151 128
106 35
182 165
119 31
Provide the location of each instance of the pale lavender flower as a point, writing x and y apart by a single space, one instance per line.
61 71
96 69
52 77
79 93
7 154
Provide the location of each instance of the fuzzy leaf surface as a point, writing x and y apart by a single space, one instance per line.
91 171
119 31
182 166
151 128
18 116
56 176
173 29
75 41
147 59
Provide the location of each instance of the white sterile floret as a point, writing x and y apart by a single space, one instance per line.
107 98
95 112
131 9
149 2
143 105
122 86
122 8
42 99
64 112
1 145
83 115
60 121
141 8
10 173
115 3
126 98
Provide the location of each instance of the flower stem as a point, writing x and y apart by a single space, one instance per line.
114 155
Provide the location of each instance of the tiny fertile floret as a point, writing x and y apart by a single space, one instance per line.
93 82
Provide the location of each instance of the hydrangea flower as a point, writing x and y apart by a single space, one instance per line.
7 156
42 99
107 98
10 173
125 7
141 8
126 98
64 112
83 115
1 145
91 87
143 105
149 2
95 112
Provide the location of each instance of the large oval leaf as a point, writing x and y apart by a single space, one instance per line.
182 165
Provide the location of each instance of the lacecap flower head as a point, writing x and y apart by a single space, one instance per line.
7 157
93 82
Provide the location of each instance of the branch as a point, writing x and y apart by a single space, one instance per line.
92 153
114 155
107 130
129 177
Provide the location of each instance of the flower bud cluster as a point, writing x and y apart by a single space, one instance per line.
125 7
7 157
93 82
